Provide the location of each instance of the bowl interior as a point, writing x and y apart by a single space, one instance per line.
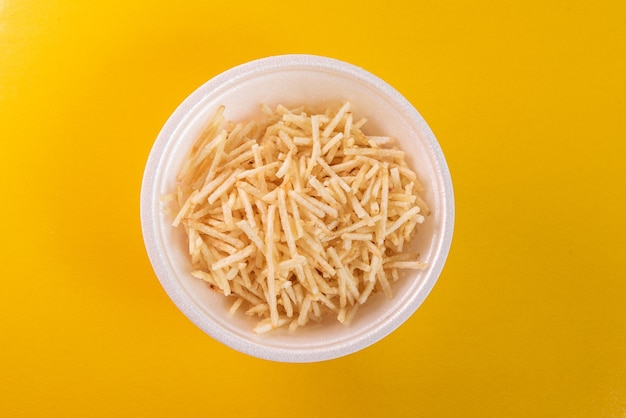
293 81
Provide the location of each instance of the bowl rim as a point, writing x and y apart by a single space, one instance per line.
150 224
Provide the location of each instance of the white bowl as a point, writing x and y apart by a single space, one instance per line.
294 80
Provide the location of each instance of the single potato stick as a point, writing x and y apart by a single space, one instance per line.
298 215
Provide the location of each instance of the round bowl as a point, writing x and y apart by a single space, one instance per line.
294 80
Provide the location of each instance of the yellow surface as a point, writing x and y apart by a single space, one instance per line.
528 100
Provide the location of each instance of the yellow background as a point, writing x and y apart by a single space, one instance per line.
528 100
